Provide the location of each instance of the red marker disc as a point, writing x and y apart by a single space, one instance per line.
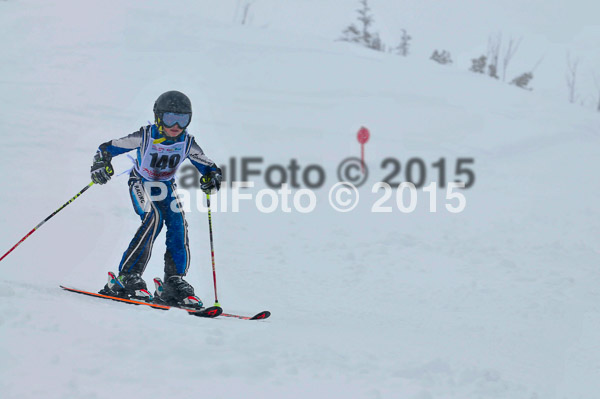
363 135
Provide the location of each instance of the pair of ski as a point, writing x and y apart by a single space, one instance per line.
210 312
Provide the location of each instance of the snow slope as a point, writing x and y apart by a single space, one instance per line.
499 301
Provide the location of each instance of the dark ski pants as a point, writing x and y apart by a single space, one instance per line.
155 213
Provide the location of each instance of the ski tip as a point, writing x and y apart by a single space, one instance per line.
261 316
211 312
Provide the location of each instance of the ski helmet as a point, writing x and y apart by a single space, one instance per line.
172 101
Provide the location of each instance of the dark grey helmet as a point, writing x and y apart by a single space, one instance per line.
172 101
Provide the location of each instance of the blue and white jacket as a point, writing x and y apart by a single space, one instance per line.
158 156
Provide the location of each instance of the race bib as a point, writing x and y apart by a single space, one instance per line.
160 162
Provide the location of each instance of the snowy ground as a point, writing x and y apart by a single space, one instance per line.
499 301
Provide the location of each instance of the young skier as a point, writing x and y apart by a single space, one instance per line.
161 148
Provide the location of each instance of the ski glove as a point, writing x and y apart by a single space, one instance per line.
211 180
102 169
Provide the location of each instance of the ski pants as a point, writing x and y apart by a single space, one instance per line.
154 213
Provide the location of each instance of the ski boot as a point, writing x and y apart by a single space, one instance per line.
175 291
130 286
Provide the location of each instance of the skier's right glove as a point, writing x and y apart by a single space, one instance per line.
102 169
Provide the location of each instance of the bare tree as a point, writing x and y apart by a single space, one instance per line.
493 54
571 77
376 43
513 47
537 64
245 15
351 34
402 48
365 17
523 80
245 11
362 34
478 64
443 57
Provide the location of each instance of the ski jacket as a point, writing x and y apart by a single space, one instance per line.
158 156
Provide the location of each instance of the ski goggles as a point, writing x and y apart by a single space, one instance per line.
170 119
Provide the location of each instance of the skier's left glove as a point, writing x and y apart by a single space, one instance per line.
102 169
211 180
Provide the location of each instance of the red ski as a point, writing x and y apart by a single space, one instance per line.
211 312
259 316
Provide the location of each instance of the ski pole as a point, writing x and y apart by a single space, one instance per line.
212 249
48 218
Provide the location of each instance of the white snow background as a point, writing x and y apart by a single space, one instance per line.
499 301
